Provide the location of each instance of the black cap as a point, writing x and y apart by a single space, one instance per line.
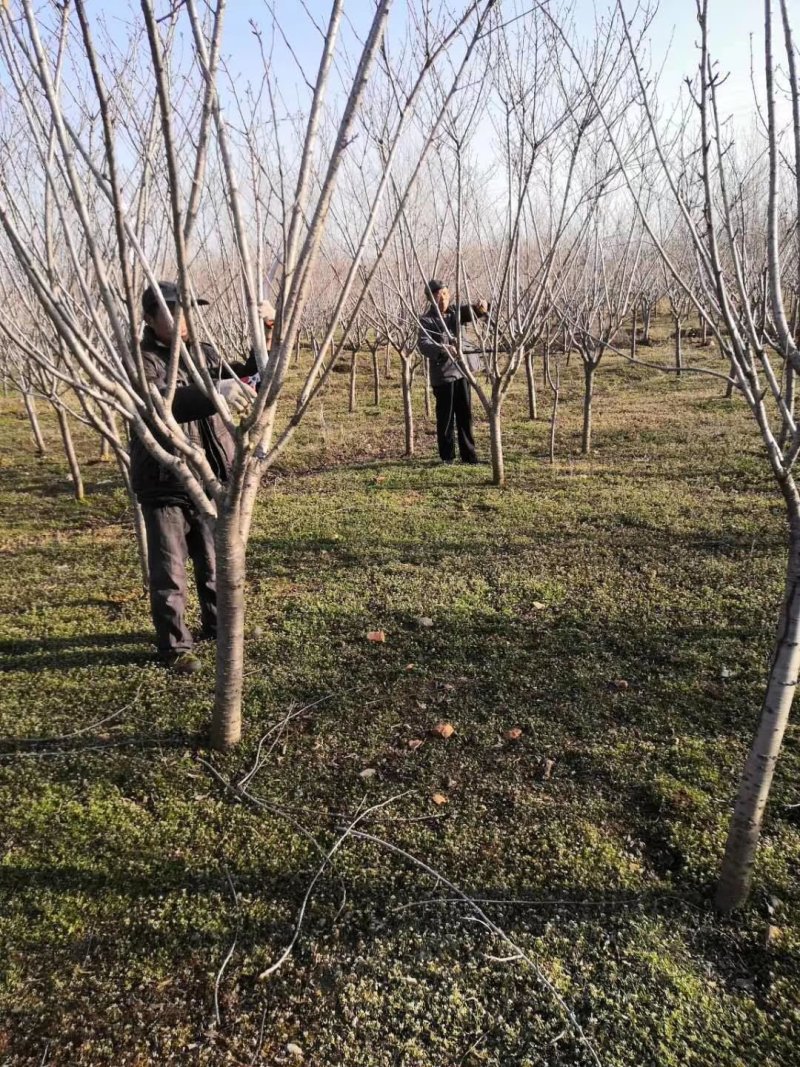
433 287
171 294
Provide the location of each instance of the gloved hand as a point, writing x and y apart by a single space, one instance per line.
239 396
267 313
482 309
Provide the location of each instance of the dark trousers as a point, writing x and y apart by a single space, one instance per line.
454 409
176 533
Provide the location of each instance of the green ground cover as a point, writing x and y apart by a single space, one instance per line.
128 871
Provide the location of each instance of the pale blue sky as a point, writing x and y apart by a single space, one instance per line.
674 29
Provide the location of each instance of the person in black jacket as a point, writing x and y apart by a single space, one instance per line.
175 530
438 339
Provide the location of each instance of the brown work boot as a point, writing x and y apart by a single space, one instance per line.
183 663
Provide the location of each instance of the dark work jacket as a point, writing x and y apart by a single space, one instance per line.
152 483
433 338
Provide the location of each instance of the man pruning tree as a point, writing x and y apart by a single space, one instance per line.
438 342
175 530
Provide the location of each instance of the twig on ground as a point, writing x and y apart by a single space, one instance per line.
260 1041
345 833
226 961
549 902
497 930
58 738
141 742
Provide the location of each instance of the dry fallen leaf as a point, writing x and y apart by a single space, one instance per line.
439 798
414 744
410 666
444 730
377 636
546 768
619 684
368 772
514 734
772 935
538 605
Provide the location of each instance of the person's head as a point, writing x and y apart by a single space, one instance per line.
157 318
268 318
439 294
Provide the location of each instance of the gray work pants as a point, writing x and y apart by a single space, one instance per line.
176 533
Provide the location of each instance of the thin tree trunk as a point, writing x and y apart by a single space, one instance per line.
731 379
703 330
105 450
647 313
588 395
33 418
297 350
387 368
426 387
140 530
789 398
533 412
745 827
69 451
351 403
408 411
376 379
678 346
226 720
633 333
567 346
556 389
139 527
496 446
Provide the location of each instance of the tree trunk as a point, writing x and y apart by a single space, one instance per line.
496 446
567 346
588 394
731 380
703 330
351 403
789 398
426 387
387 368
647 314
376 379
678 346
139 527
69 451
745 827
33 418
633 333
533 412
105 450
408 411
556 389
297 350
226 720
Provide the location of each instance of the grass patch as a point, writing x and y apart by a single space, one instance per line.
597 835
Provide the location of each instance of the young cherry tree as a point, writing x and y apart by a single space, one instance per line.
514 243
753 333
163 160
598 301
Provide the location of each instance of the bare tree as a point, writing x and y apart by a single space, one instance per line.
750 324
115 247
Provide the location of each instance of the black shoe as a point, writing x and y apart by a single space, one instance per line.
473 461
182 662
